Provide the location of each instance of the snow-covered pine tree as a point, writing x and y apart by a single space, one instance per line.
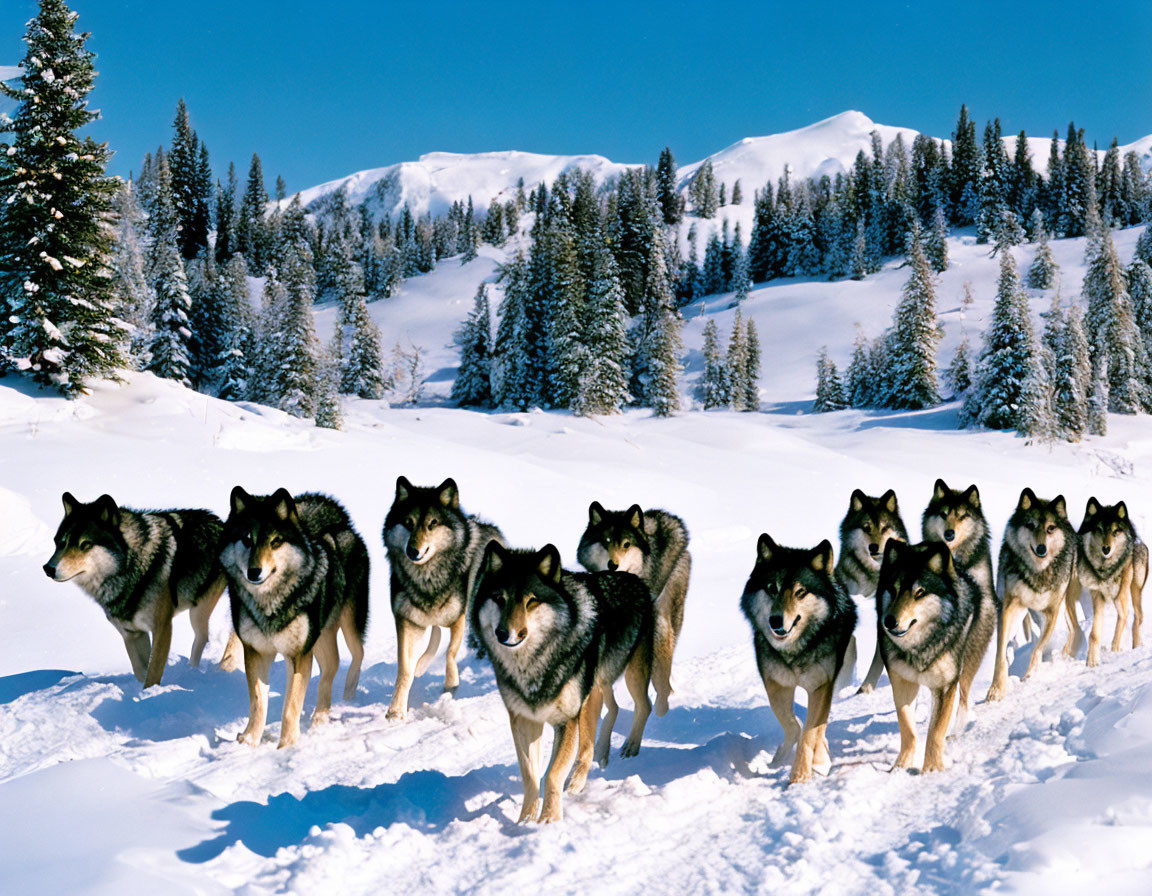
56 295
860 263
329 410
253 239
188 198
829 389
1009 353
664 363
1037 419
1098 401
1008 231
1144 246
1053 335
171 331
1042 273
511 382
362 371
604 381
562 305
473 384
1110 325
737 363
936 242
713 389
132 295
915 335
737 193
666 193
237 342
294 387
752 370
1072 379
206 318
858 385
226 216
1139 280
656 340
270 330
958 376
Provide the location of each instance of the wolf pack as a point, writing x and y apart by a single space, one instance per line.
297 572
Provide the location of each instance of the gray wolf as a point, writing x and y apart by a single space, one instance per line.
142 567
557 641
652 544
1112 565
434 551
297 571
802 622
1037 564
933 626
864 532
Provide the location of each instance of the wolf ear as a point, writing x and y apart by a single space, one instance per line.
1122 511
888 499
1060 507
284 505
548 564
449 494
636 517
940 490
856 502
972 495
494 557
1093 507
940 558
107 510
765 548
1027 499
70 503
403 487
595 513
239 500
821 557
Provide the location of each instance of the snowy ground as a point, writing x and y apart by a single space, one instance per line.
106 789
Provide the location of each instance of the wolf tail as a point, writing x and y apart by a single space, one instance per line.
430 652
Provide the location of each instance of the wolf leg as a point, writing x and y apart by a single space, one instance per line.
233 656
161 637
604 741
408 636
1098 604
199 614
942 703
563 753
637 674
782 699
328 658
873 676
1139 574
139 648
1075 633
1006 621
526 737
589 716
455 639
299 672
904 694
1123 607
812 738
356 648
663 643
1050 617
256 669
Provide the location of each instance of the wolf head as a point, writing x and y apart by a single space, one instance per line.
790 592
954 517
1039 530
424 522
917 592
89 544
1106 532
615 539
263 539
520 600
868 525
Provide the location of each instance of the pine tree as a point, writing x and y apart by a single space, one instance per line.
666 193
362 372
737 193
657 341
169 351
268 340
604 381
1139 281
473 384
226 216
752 370
512 386
1008 355
191 185
1144 246
958 376
714 387
1072 379
1037 421
206 318
132 294
253 240
858 388
329 412
703 191
914 336
935 244
1042 273
237 348
737 364
860 264
1111 326
829 389
294 386
1098 400
56 289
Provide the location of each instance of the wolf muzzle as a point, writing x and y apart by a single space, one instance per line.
49 570
891 626
949 534
1040 550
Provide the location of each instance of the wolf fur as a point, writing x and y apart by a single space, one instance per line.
557 641
1112 565
802 622
864 532
934 625
434 551
652 544
1037 564
142 567
297 571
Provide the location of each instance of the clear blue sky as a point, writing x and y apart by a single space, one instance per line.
322 89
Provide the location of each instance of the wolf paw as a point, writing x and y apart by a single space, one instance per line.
865 688
660 707
800 776
249 737
551 812
528 811
287 740
996 692
579 778
630 748
319 717
395 713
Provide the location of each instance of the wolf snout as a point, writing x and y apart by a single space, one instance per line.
949 534
613 565
874 549
893 626
506 637
776 624
255 573
1041 550
49 570
1105 549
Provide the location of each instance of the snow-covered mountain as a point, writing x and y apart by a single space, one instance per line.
438 179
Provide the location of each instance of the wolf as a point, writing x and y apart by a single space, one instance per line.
434 551
297 571
142 567
557 641
1036 566
1112 564
802 623
864 532
652 544
934 626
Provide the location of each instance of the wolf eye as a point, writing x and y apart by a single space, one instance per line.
1051 528
432 524
85 546
246 539
626 545
920 592
531 601
799 591
867 527
410 522
498 599
275 541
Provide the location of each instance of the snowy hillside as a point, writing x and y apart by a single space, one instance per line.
106 789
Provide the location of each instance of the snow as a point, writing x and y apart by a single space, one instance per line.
105 788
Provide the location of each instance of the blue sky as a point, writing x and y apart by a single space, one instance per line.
324 89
